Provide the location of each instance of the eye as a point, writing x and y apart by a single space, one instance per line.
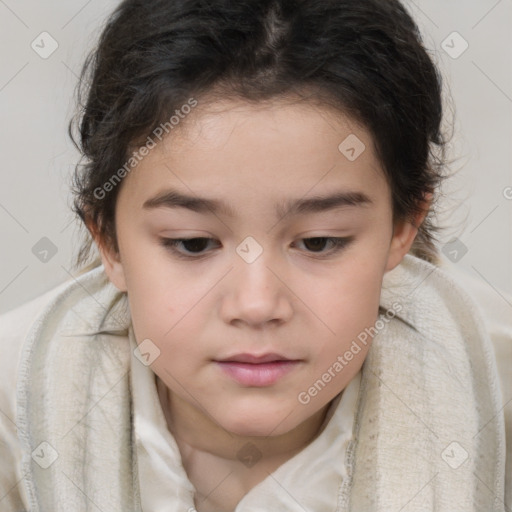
316 244
195 248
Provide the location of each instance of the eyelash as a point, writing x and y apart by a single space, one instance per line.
171 244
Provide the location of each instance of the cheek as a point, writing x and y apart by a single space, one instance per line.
350 306
158 311
158 293
167 309
356 288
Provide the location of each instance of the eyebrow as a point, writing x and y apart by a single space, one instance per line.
316 204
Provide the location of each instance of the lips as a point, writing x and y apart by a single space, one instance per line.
254 359
257 370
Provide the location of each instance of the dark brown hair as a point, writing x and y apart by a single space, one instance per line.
363 57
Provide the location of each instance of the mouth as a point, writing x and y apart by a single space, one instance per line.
257 371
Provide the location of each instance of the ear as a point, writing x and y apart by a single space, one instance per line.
111 260
404 233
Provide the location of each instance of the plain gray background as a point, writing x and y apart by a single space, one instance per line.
37 101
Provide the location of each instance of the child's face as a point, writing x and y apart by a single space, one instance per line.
257 287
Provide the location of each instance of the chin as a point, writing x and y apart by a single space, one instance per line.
259 424
251 430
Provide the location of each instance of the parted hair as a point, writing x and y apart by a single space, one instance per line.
363 58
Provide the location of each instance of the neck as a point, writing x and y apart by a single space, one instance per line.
207 451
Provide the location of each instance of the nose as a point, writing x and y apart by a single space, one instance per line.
256 295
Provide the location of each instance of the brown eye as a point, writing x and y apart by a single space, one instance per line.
320 243
315 244
193 247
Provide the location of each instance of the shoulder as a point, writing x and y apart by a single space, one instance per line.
494 303
14 327
16 323
495 306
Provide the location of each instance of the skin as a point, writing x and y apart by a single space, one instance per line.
299 299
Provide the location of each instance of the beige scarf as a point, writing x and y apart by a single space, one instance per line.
428 434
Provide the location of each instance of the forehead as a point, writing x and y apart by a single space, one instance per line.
241 151
273 124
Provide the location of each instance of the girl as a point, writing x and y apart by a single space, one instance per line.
268 324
